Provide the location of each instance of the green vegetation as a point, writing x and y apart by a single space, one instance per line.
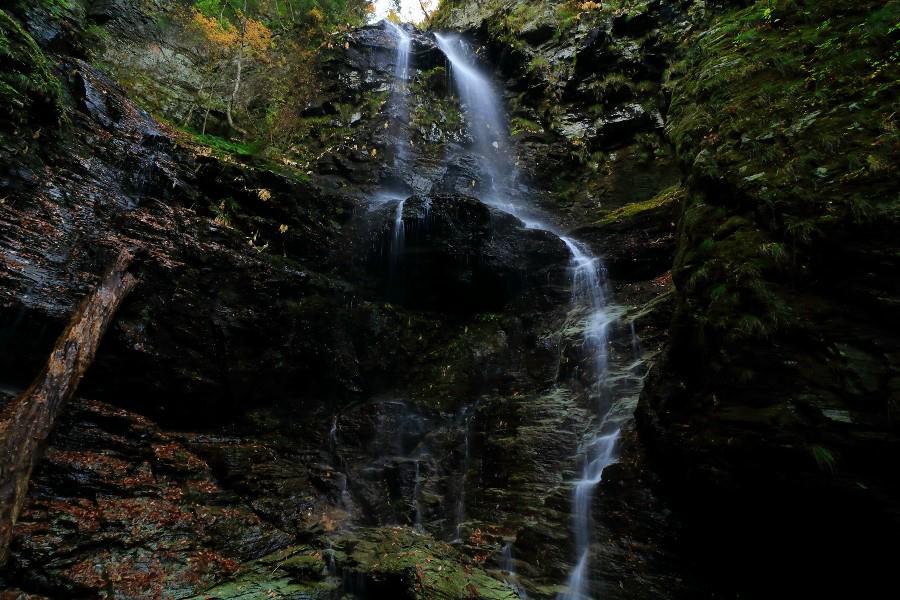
434 109
508 20
421 566
539 64
524 14
666 198
520 125
824 458
244 71
30 106
786 114
55 7
227 146
285 14
446 373
290 573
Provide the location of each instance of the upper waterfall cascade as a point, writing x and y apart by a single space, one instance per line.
486 118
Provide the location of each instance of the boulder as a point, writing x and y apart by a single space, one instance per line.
457 254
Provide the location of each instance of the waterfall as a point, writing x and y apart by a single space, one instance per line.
461 500
508 568
589 291
487 122
399 95
399 237
404 43
400 107
400 116
483 110
332 433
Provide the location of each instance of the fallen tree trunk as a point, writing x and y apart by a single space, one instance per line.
27 421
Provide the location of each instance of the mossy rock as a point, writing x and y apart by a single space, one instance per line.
631 212
30 94
296 573
784 115
398 562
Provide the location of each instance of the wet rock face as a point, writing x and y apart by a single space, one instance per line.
456 254
771 400
29 90
125 184
118 504
372 50
305 381
638 241
777 388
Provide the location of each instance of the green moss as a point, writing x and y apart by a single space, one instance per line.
524 14
786 121
55 7
567 15
539 64
434 109
418 566
296 572
227 146
30 94
793 102
520 125
666 198
447 371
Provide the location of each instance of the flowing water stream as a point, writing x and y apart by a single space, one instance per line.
400 102
485 113
400 89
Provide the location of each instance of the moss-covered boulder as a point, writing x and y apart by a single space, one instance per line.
295 573
460 255
397 562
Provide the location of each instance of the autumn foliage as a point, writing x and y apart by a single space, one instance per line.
257 59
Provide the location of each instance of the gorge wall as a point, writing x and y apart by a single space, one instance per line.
294 404
774 397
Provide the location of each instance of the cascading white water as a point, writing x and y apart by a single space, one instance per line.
482 108
589 292
461 500
403 41
487 124
509 569
485 114
507 559
398 239
332 433
404 44
400 112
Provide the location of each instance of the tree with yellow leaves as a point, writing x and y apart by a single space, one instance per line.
240 38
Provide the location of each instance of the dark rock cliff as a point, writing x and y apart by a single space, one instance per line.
787 300
770 415
317 391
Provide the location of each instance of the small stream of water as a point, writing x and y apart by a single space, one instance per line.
485 113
